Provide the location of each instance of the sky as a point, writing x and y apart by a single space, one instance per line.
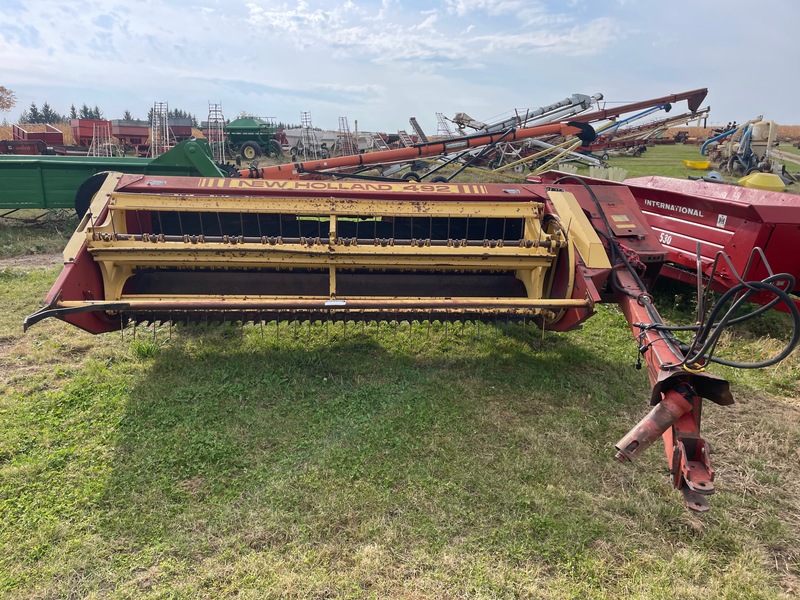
379 62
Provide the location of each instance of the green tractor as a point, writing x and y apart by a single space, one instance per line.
253 137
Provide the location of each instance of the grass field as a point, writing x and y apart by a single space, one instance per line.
397 462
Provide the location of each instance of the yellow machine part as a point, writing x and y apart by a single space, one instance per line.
208 253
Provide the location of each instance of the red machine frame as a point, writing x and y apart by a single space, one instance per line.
691 216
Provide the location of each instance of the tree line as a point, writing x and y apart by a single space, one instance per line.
46 114
173 113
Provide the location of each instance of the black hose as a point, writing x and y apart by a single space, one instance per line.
707 336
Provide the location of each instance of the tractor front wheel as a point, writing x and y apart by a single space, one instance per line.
251 150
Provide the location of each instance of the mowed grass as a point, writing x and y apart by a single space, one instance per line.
314 462
29 232
391 462
790 148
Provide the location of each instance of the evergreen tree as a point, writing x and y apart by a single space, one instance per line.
85 112
34 116
179 113
49 115
127 116
96 112
73 114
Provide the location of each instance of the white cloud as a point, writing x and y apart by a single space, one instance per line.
427 23
492 7
380 61
582 40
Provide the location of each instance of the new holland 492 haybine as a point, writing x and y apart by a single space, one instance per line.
187 249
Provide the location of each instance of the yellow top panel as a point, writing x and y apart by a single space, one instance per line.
580 230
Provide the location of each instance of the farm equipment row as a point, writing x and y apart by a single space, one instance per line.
184 250
744 149
519 139
460 147
63 182
535 135
634 138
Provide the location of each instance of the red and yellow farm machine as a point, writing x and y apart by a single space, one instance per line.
184 249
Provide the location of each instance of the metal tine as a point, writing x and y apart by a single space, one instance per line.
160 226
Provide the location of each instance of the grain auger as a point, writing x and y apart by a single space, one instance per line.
180 249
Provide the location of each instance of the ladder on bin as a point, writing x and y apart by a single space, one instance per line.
101 140
444 130
405 139
161 138
418 130
378 143
215 132
308 140
344 141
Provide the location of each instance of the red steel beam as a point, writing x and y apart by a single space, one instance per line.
677 393
694 98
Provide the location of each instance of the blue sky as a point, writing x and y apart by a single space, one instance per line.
380 62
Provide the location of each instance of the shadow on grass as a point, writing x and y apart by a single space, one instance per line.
454 445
